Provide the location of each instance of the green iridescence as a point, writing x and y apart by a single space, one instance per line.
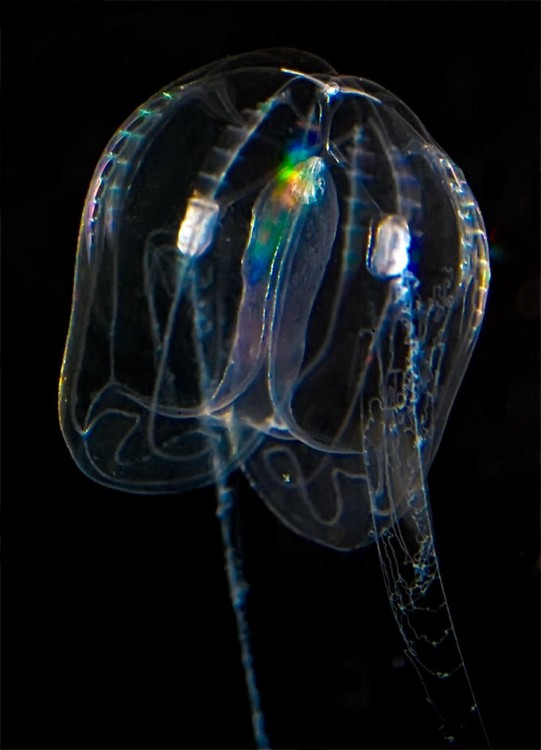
290 165
275 213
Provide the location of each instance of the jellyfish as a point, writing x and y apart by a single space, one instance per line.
280 272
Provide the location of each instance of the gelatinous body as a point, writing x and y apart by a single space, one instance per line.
280 271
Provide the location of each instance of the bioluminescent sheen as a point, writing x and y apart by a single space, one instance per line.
279 271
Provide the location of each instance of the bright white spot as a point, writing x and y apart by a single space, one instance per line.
311 183
197 227
286 478
332 88
388 254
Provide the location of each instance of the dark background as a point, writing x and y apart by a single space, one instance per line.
117 629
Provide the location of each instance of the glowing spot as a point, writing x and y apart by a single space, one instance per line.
388 254
196 230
